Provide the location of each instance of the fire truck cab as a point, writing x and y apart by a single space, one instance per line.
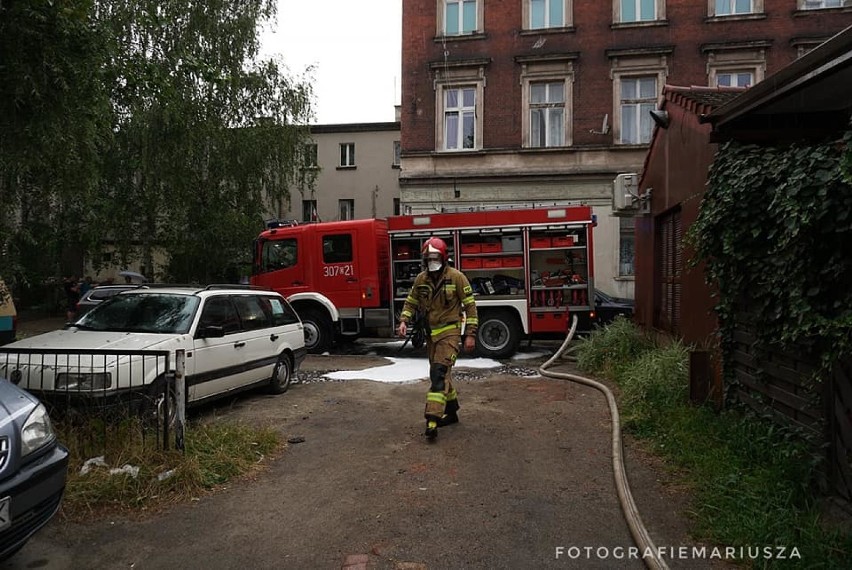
530 269
335 274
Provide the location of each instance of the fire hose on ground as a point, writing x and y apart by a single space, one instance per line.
625 497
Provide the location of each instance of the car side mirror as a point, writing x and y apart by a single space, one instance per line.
212 331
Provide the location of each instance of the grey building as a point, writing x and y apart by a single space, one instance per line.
357 173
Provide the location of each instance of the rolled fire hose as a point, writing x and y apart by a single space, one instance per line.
628 506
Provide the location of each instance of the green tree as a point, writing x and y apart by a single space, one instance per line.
55 121
211 132
151 124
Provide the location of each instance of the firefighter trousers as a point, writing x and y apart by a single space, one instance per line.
442 352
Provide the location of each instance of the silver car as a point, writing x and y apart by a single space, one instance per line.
33 468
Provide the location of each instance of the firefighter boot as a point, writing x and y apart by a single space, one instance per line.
451 415
431 429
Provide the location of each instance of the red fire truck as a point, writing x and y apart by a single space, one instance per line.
530 270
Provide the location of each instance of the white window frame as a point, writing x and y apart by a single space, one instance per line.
659 11
546 107
456 78
734 74
462 111
442 16
346 209
634 66
347 155
637 103
756 8
823 4
720 61
548 72
567 14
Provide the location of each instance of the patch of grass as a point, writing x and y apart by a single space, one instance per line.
605 351
215 454
751 480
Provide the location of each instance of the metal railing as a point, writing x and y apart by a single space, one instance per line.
98 395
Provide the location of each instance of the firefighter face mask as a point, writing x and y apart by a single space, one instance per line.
434 262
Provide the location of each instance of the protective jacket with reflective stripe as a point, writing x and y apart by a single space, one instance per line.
443 301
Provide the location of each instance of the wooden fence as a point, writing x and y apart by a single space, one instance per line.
782 383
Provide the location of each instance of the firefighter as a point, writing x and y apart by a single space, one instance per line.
441 293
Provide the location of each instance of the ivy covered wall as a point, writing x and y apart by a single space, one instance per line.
775 229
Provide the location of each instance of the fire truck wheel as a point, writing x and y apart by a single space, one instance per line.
498 335
318 331
282 375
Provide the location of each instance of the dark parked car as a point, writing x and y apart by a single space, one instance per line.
97 295
33 468
606 309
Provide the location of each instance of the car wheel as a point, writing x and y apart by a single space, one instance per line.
318 331
159 400
282 375
498 335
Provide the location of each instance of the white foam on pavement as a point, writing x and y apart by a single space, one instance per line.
405 370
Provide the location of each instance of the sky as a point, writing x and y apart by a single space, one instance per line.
355 48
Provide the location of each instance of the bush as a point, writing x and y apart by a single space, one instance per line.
752 480
606 351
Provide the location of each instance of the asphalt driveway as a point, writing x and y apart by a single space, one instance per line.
526 471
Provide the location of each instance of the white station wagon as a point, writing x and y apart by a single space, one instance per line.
235 337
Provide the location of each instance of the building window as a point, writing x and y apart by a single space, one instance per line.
547 14
547 114
459 118
347 155
638 98
459 90
397 151
460 17
731 65
346 209
309 156
396 208
639 10
626 247
309 211
732 7
546 100
735 79
820 4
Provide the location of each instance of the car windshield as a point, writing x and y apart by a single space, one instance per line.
160 313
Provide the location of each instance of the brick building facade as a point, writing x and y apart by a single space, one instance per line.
525 102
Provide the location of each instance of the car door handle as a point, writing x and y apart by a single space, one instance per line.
297 283
273 337
351 279
239 344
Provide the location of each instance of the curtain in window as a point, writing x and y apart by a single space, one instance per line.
460 17
451 130
638 10
546 14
